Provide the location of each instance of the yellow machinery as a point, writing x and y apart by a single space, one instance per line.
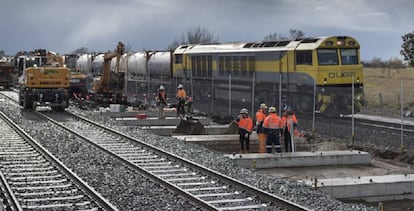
46 85
108 88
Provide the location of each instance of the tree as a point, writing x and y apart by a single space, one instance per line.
274 37
128 47
293 35
81 50
197 35
408 48
376 62
296 34
395 63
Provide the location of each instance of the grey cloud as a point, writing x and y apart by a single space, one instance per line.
64 26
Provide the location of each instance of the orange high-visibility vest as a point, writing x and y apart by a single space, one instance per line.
181 93
273 121
260 116
287 119
246 123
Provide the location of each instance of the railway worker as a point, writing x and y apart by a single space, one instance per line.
272 126
161 101
288 120
245 128
260 117
181 98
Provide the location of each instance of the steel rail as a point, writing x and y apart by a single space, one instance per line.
276 200
94 195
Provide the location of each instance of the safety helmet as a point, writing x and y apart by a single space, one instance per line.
272 110
180 86
161 87
263 106
244 111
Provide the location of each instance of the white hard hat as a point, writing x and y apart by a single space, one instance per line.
272 110
161 87
263 105
244 111
180 86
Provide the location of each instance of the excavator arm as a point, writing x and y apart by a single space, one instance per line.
106 67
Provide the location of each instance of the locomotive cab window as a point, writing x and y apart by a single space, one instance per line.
178 58
327 57
349 56
304 57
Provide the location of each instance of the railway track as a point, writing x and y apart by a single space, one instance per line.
33 179
204 187
377 124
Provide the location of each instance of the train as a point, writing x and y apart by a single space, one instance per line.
319 74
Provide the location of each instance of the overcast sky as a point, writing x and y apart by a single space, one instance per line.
65 25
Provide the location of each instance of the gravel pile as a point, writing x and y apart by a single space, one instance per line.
294 191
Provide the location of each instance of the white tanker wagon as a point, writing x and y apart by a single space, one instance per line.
84 63
97 65
155 64
146 71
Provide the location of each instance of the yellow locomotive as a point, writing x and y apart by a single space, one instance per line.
278 72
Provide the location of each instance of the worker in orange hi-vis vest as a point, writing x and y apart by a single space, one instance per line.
288 120
260 117
272 126
245 129
181 98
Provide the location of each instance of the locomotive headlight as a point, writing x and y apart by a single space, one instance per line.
340 42
357 80
325 81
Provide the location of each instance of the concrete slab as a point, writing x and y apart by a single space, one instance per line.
154 121
373 118
229 143
151 113
168 130
297 159
368 188
225 143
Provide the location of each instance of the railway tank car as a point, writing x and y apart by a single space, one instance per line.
277 73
